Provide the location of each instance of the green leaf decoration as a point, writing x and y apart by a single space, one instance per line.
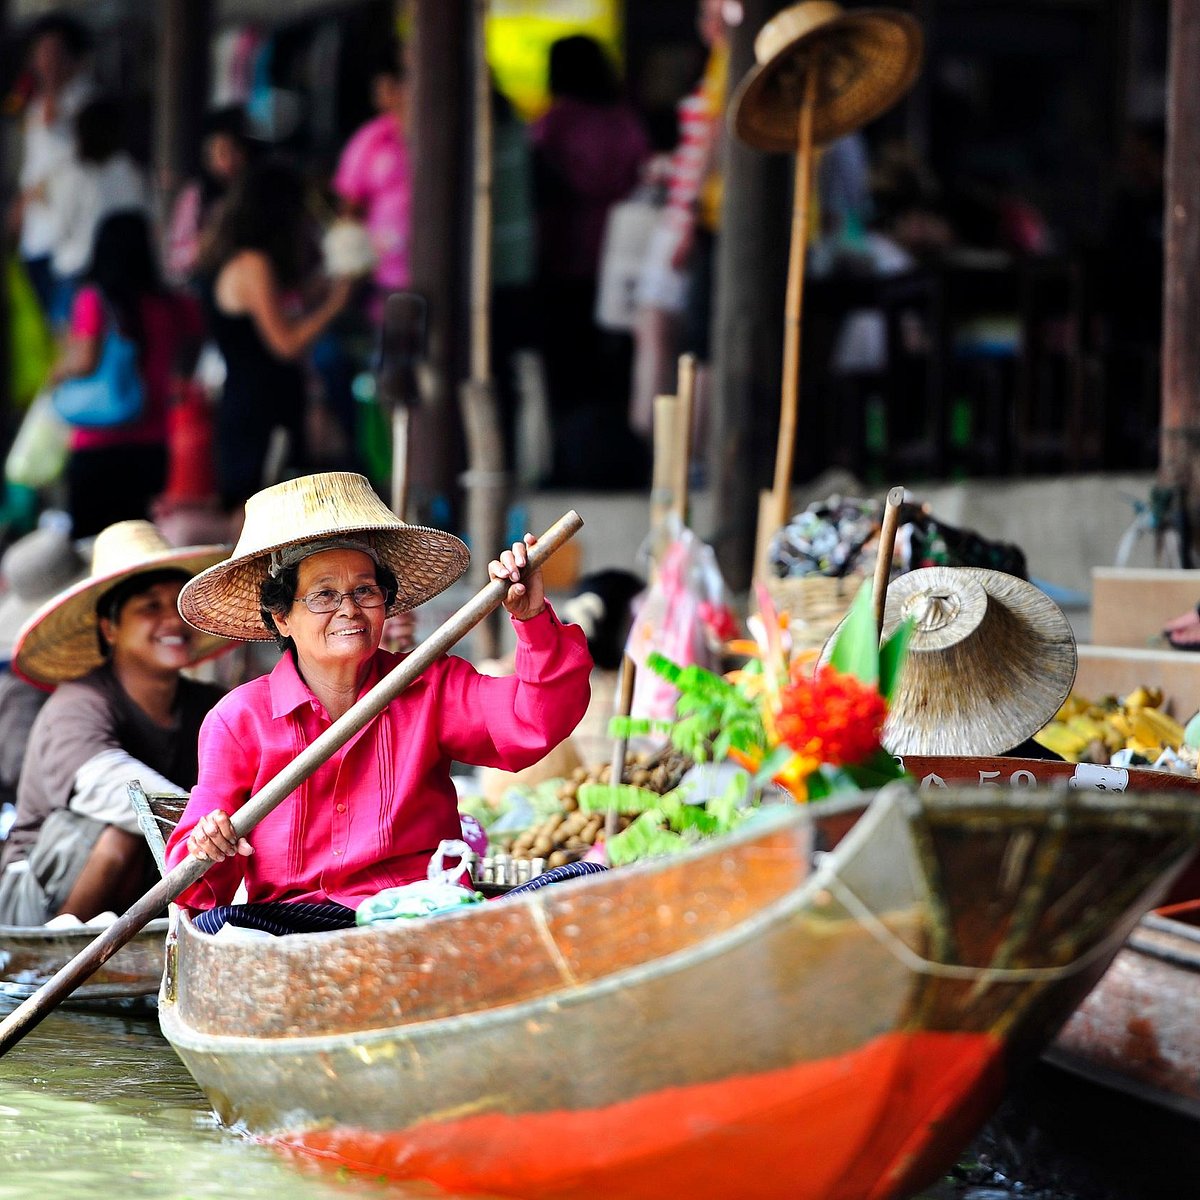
625 798
773 764
695 820
828 781
892 654
727 809
856 642
645 838
627 727
1191 733
879 769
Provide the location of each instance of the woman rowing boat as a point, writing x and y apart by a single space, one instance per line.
320 564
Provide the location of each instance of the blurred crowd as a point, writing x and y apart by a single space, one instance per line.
253 295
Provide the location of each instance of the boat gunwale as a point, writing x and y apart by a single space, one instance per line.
88 933
826 866
568 996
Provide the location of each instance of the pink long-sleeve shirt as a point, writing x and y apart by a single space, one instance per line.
373 814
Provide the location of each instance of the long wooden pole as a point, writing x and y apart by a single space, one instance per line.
887 545
486 480
748 329
685 389
1179 440
38 1006
785 450
616 771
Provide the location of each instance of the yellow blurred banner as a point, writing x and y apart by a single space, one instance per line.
520 33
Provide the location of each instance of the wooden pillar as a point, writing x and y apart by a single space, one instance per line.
439 92
182 75
748 325
1179 463
8 178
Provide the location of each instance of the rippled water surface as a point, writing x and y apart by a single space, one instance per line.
99 1107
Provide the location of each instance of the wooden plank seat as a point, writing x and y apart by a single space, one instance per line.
157 815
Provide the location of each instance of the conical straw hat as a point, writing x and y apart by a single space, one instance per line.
225 598
35 567
991 660
59 641
866 58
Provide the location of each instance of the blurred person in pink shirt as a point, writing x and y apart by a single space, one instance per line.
373 177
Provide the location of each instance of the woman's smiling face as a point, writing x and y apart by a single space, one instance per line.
350 634
148 633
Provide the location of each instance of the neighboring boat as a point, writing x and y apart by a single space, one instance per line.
1139 1030
129 981
749 1019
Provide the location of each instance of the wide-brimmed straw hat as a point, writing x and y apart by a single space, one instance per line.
991 660
336 504
866 59
59 641
35 568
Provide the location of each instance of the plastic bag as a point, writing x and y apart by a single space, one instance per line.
439 893
627 234
31 343
685 616
38 455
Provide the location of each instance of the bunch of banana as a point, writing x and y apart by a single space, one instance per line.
1087 731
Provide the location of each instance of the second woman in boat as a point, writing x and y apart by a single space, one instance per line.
320 564
113 646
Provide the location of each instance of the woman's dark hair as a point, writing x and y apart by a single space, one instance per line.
264 211
228 122
99 130
124 268
278 594
581 70
74 35
387 59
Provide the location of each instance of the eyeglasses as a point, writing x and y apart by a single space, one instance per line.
369 595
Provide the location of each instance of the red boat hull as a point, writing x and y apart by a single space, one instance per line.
850 1127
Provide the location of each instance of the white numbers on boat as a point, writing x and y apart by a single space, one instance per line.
1018 779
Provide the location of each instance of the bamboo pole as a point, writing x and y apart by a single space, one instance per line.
616 772
486 480
38 1006
887 545
686 394
785 450
400 460
665 473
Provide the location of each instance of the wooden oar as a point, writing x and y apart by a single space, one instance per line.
887 545
18 1023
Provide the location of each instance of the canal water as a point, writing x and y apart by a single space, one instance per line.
100 1107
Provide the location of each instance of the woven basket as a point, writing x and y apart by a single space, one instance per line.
815 603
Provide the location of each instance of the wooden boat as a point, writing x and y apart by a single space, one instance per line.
129 981
753 1017
1138 1031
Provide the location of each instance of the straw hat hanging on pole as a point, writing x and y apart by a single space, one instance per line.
991 659
820 72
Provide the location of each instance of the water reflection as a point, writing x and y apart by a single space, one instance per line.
95 1105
